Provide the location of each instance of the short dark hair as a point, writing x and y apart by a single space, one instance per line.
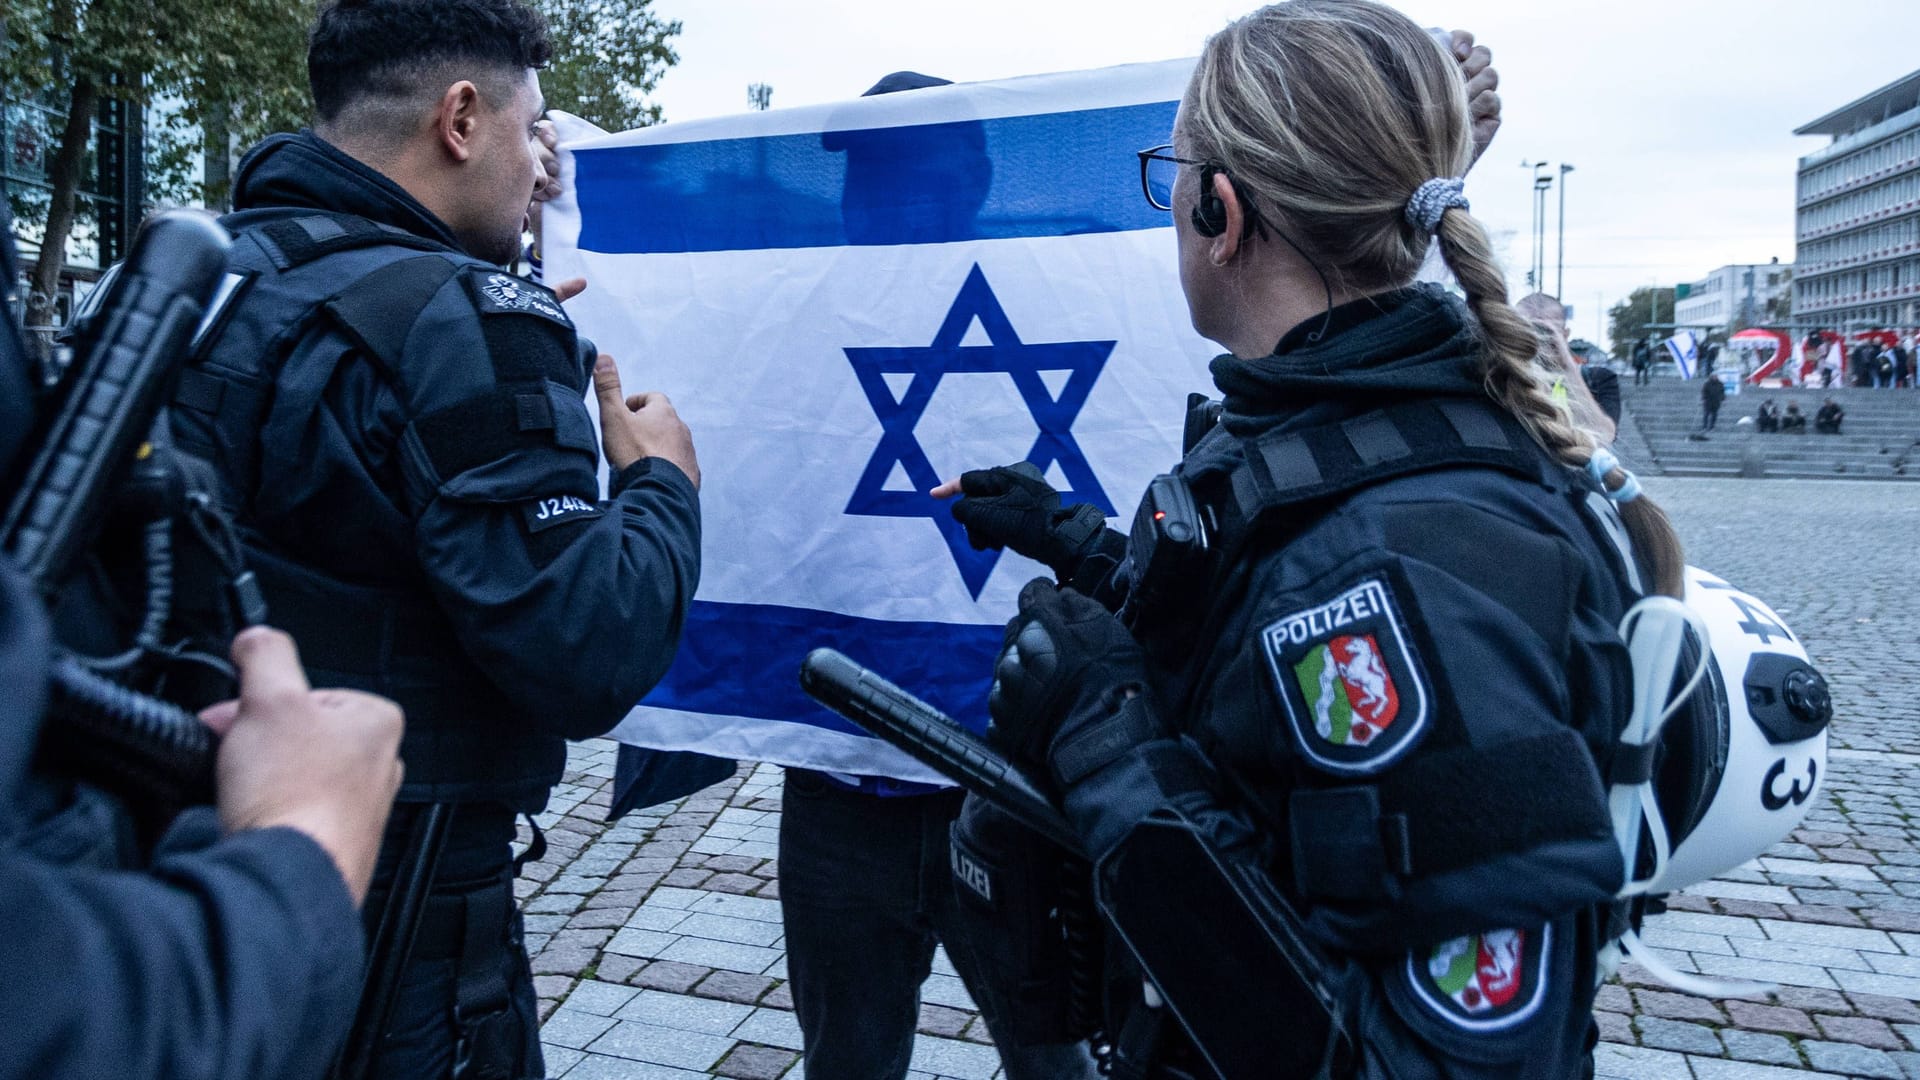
361 49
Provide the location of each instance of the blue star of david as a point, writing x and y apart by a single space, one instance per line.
1007 354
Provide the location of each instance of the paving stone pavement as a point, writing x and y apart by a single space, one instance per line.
658 953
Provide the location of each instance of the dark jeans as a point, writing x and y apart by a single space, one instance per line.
422 1034
1709 416
1642 376
865 892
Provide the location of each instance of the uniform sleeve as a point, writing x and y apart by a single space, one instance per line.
242 959
574 605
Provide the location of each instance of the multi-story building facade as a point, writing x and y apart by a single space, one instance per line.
1858 218
1744 294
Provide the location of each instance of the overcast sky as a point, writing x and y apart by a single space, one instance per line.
1678 114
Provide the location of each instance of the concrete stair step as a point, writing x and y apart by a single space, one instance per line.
1881 439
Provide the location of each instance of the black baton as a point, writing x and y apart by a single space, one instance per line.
393 939
931 737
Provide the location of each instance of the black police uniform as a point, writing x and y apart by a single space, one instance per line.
239 957
402 431
1389 700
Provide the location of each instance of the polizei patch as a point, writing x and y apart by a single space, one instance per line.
503 293
1484 982
1348 680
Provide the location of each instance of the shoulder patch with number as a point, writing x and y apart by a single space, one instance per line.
1348 680
505 294
1484 982
544 514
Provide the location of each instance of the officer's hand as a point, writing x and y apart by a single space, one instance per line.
1068 667
325 762
1014 507
1483 103
641 425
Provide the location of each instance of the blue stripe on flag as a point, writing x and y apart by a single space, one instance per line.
744 660
1052 174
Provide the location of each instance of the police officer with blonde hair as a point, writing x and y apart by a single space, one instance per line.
1345 732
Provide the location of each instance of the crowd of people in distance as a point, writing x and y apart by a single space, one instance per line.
1872 364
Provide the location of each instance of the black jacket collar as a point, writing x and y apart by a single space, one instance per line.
1418 342
305 170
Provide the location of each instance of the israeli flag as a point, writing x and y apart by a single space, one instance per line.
1684 348
849 304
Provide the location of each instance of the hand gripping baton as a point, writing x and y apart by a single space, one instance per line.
931 738
1253 968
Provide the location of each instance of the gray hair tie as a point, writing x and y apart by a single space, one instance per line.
1433 199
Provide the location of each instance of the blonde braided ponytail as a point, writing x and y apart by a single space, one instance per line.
1520 385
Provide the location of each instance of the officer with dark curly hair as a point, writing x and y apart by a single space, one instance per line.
402 432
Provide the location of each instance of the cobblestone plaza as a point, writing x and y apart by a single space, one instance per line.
657 943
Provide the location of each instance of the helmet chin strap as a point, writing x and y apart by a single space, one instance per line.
1655 632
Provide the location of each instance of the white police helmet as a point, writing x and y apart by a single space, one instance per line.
1741 761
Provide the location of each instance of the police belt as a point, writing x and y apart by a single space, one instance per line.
457 923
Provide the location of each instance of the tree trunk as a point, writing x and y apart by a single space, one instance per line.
64 176
217 157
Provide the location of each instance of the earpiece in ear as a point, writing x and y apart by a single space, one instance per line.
1210 216
1209 213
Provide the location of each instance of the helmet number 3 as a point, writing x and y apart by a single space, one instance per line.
1795 795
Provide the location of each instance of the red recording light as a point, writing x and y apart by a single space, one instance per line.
1159 515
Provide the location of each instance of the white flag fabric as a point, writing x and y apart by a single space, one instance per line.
849 304
1684 347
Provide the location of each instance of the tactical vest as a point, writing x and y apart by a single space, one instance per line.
1196 544
1347 841
307 292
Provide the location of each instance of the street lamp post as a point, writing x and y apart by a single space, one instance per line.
1560 271
1533 234
1537 266
1541 184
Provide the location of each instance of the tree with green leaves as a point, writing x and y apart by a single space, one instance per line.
1628 320
229 72
219 59
608 55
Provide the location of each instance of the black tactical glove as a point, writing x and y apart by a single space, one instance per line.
1070 687
1014 507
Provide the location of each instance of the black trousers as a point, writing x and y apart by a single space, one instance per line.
471 934
865 893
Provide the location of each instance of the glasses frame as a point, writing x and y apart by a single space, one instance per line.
1160 153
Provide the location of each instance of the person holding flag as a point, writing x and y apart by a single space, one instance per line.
1346 697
